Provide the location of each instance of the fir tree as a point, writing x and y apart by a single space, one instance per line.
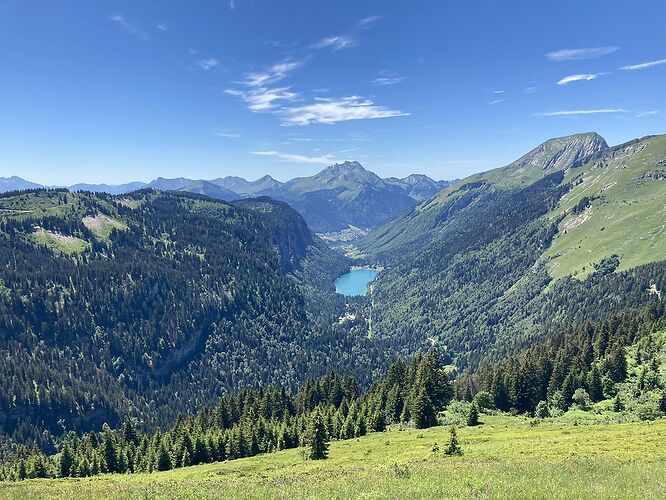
316 437
594 385
163 460
473 415
617 404
66 462
109 452
567 392
422 410
453 446
542 410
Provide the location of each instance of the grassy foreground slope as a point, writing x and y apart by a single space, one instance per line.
506 457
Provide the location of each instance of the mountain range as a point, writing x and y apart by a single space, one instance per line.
153 303
340 196
571 231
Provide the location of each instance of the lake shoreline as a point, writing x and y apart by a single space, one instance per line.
356 282
379 269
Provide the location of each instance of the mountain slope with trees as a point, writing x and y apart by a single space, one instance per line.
498 260
171 301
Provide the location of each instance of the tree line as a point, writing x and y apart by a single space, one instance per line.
589 359
250 422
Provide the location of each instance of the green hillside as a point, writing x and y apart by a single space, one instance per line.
617 206
152 304
506 457
486 266
424 222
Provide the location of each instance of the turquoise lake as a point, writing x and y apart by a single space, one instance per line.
355 282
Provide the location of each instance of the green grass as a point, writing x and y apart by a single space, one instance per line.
59 242
38 204
506 457
627 218
102 225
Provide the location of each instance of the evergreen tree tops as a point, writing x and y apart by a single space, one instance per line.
316 436
254 421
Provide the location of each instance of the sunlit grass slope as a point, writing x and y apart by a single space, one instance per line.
506 457
625 216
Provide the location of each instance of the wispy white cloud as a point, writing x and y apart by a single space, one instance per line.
263 99
208 64
227 133
496 101
646 113
232 5
272 74
317 160
530 90
387 77
579 78
129 26
163 27
368 21
258 95
388 80
337 110
261 95
578 54
498 91
634 67
335 42
582 112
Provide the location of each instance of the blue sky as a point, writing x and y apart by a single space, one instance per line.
113 91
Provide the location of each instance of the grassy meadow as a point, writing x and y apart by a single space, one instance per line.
506 457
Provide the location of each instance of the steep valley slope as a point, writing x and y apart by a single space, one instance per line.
567 233
152 304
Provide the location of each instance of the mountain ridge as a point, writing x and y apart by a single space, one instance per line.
495 261
338 197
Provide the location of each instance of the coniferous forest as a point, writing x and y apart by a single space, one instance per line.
170 302
255 249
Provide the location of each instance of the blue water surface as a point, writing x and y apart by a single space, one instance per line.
355 282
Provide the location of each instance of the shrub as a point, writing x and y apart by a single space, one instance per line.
542 410
473 415
484 400
582 399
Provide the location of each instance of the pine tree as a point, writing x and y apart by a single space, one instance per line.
129 434
594 385
499 392
201 454
453 447
542 410
662 401
567 392
66 462
617 404
109 452
316 436
422 410
21 472
473 416
185 460
163 460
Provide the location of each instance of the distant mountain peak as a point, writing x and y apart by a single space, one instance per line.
558 153
16 183
347 171
351 164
